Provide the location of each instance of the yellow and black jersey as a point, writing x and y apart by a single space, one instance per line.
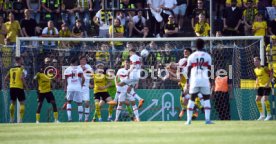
100 80
44 82
263 75
16 74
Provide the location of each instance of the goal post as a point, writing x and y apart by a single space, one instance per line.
239 48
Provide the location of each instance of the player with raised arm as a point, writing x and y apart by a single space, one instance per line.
16 76
87 70
73 83
44 91
199 64
263 83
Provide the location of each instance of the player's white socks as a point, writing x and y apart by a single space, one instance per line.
69 107
86 113
80 110
263 105
190 109
135 111
118 112
116 97
136 96
207 109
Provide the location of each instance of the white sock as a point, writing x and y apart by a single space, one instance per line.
190 107
136 96
86 113
187 96
80 110
263 105
202 102
207 109
118 112
135 111
69 112
116 97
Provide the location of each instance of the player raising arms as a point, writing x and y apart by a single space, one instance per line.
16 76
263 83
87 70
199 64
74 80
44 91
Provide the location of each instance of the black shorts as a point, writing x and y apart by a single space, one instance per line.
262 91
101 96
49 97
17 93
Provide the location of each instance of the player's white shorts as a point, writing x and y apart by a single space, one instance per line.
202 90
123 96
85 94
131 82
76 96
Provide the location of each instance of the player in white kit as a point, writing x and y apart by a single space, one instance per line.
87 71
122 92
199 64
73 83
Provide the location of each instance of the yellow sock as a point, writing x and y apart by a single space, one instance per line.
259 105
98 109
56 115
267 106
22 110
37 116
12 111
110 110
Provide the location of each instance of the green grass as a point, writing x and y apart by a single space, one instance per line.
228 132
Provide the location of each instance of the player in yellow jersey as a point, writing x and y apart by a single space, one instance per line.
101 95
44 91
263 83
16 76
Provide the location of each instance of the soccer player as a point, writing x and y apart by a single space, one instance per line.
263 83
74 81
44 91
101 95
87 70
199 64
133 76
111 90
123 94
16 77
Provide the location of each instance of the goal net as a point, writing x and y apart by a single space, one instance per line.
233 54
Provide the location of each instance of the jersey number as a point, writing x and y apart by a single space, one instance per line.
200 63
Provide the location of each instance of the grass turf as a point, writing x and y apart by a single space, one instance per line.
222 132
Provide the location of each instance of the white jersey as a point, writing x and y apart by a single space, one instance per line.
199 61
182 63
123 75
87 71
73 75
135 64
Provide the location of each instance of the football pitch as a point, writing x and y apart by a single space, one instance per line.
222 132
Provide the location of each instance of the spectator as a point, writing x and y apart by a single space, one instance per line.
200 9
51 10
147 33
254 3
232 19
117 31
168 8
35 8
103 55
102 19
3 31
221 89
138 24
155 16
78 30
171 28
271 11
85 8
125 4
139 4
259 26
13 30
7 7
202 28
272 27
64 32
29 25
180 12
129 13
69 9
50 31
18 9
248 17
228 3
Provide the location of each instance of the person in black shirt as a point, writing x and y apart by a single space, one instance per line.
29 25
171 28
